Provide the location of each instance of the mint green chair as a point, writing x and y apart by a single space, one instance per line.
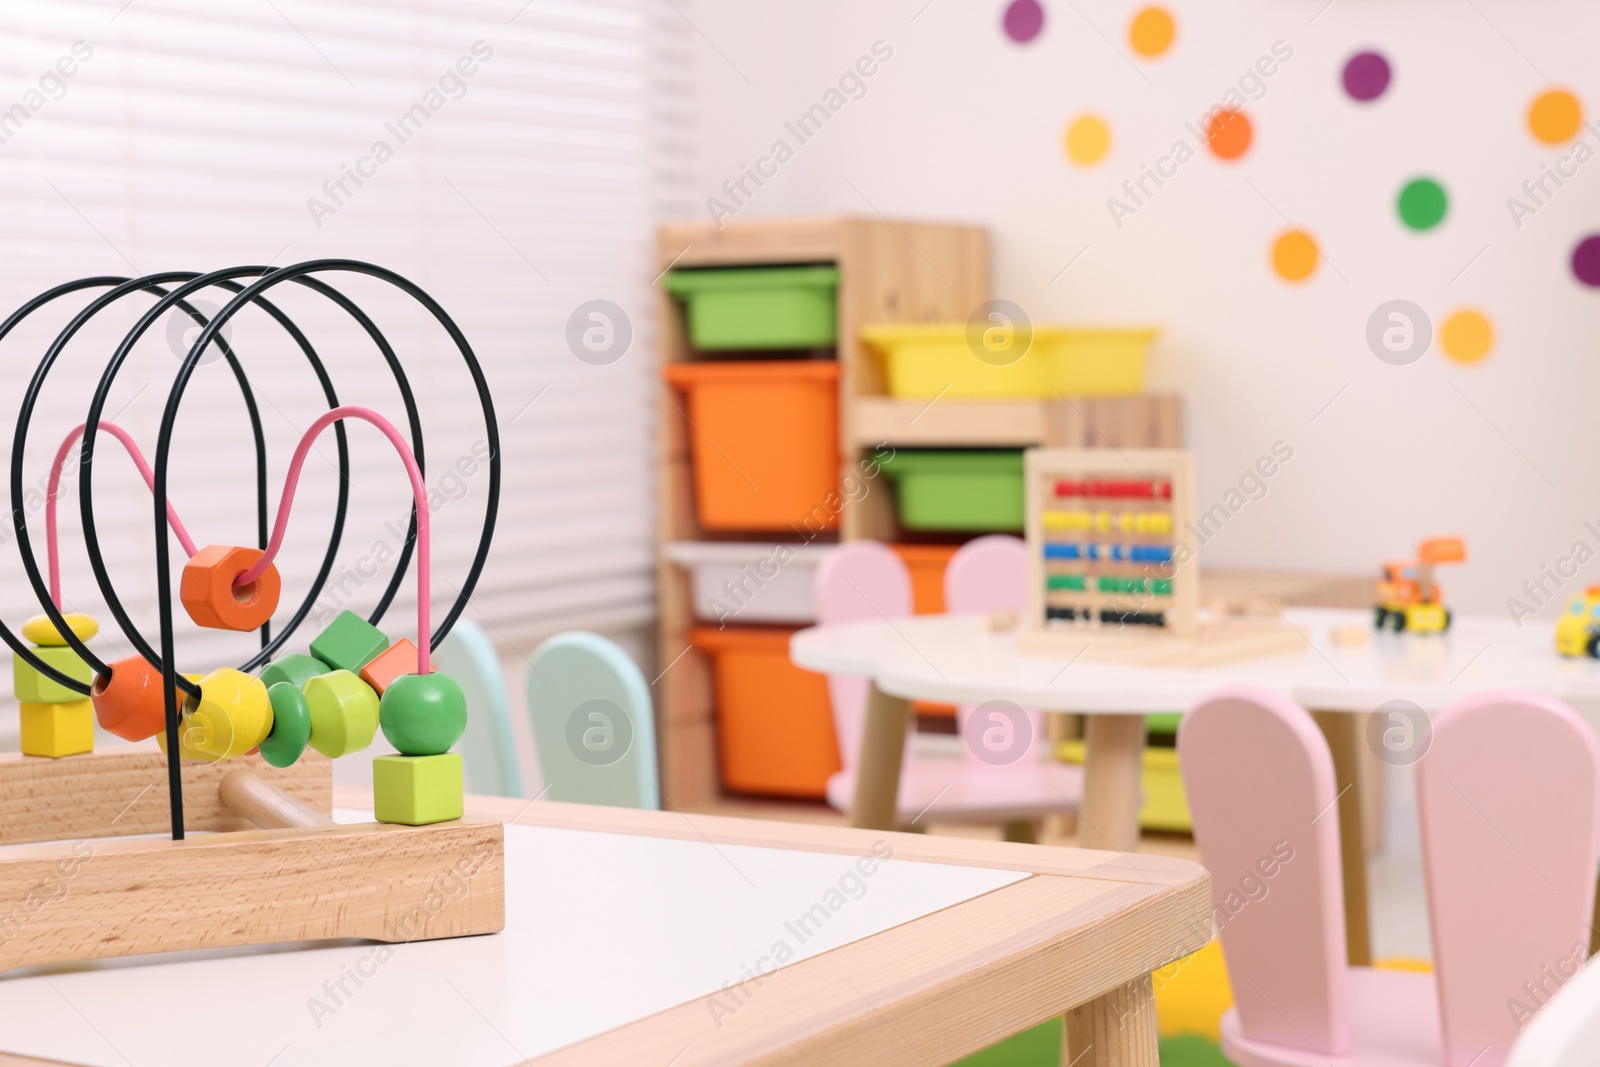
488 753
593 723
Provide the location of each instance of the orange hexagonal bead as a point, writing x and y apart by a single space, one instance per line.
129 702
208 594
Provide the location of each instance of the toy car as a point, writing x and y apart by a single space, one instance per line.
1578 629
1408 597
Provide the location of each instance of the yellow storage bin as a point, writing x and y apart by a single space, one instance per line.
930 359
1165 805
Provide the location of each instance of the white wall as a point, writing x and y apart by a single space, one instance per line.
962 124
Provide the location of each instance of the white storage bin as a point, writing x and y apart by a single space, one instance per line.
750 581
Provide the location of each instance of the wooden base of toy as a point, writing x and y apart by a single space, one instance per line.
1215 642
91 898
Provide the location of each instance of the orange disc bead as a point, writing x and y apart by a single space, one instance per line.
129 703
208 594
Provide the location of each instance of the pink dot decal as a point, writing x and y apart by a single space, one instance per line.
1586 260
1023 20
1366 76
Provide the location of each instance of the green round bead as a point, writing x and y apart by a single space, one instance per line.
291 725
423 714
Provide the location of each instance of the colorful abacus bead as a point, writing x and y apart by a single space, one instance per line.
57 730
128 702
291 725
344 713
423 714
232 716
417 790
393 662
211 598
349 643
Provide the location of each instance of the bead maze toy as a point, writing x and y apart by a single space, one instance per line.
1408 596
244 752
1111 575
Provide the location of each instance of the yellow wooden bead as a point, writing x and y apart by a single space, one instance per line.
41 631
57 730
186 749
232 716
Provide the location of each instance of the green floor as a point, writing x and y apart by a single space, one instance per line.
1041 1047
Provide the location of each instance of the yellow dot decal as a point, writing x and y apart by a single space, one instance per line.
1554 116
1294 256
1151 31
1087 140
1467 336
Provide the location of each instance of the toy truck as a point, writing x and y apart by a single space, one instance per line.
1408 596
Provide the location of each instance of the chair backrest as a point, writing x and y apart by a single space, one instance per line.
1261 791
990 574
1508 795
856 582
593 722
488 751
1566 1032
987 574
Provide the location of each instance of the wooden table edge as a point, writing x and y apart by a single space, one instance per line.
1137 868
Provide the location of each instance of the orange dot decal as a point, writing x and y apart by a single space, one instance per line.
1086 140
1151 31
1554 116
1294 256
1467 336
1228 133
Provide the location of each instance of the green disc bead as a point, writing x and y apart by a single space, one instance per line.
291 725
344 713
296 668
423 714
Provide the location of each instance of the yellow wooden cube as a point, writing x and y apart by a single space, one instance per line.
57 730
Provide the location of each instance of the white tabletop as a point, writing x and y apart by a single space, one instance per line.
601 929
952 658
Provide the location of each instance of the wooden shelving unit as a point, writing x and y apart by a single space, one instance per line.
888 272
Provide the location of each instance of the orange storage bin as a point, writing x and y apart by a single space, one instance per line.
764 444
926 564
774 720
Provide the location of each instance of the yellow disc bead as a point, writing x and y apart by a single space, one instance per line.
41 631
233 715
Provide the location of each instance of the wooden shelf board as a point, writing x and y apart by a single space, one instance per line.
953 423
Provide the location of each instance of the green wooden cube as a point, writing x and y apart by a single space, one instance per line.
296 668
417 790
349 643
32 687
344 713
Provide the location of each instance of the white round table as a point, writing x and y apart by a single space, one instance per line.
957 659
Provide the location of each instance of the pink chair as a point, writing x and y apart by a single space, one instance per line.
863 580
1509 797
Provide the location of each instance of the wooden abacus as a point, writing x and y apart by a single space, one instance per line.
233 745
1114 574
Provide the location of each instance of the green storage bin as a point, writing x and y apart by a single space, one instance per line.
759 307
978 492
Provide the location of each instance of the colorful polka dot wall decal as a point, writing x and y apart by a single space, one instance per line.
1423 203
1366 76
1467 335
1586 260
1023 20
1554 116
1151 31
1228 134
1294 256
1087 139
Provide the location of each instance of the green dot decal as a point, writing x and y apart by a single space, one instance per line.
1423 204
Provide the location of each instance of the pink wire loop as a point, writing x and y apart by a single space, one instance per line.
54 488
418 491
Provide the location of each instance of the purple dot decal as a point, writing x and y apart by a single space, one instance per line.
1024 19
1366 76
1586 260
